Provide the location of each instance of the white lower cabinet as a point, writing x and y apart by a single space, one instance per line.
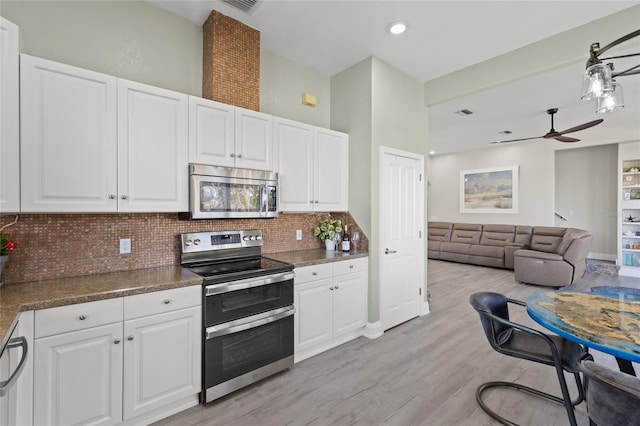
107 362
331 305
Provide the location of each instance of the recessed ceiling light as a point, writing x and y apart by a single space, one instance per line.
397 28
432 152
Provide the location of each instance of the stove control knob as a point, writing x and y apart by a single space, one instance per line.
196 242
188 243
253 237
245 238
258 237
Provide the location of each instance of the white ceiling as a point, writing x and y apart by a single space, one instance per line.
443 36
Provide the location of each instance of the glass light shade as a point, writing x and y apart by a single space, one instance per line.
596 81
611 101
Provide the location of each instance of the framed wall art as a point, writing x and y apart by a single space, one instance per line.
493 190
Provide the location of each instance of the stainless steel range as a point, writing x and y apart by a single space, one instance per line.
247 309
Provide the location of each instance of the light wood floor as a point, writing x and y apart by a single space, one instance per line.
423 372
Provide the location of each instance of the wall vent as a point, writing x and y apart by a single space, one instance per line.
244 5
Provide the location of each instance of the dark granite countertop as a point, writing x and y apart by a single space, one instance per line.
301 258
15 298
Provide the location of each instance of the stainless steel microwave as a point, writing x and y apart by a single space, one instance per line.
228 193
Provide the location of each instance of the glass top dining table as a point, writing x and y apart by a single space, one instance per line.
606 321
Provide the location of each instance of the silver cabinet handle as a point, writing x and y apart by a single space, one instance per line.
336 287
15 342
82 317
314 273
350 266
166 301
387 251
331 288
233 155
130 338
239 155
117 341
112 197
124 197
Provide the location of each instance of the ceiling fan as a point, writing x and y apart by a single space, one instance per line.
553 134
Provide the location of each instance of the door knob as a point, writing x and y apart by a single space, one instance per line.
387 251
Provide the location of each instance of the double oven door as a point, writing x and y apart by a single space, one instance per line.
248 332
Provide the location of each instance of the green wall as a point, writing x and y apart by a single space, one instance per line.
560 50
132 40
377 105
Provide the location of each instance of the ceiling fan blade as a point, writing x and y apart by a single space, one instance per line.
516 140
566 139
582 126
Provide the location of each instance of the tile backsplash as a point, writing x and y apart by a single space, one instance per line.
62 245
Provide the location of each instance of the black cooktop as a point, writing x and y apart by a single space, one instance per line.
239 269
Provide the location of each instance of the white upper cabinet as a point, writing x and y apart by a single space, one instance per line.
94 143
313 167
254 140
228 136
211 132
69 149
152 149
9 118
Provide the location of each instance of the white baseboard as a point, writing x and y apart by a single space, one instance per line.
373 330
425 308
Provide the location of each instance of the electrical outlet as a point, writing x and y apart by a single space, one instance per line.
298 234
125 245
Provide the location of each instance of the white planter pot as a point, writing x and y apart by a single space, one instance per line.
329 244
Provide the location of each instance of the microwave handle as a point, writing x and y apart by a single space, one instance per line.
264 200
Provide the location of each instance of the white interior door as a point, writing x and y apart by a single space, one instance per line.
401 231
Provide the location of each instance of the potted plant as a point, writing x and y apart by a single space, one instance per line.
327 230
6 245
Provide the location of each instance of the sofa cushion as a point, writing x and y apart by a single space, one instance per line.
570 235
534 254
497 235
439 231
450 247
487 251
547 239
523 235
468 233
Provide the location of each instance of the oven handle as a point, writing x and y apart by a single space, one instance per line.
16 342
213 289
251 322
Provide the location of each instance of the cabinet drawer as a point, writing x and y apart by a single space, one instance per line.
349 266
158 302
313 273
64 319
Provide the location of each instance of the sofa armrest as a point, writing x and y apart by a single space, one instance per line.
509 251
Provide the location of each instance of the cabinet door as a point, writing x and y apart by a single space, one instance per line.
68 138
161 360
152 149
78 377
350 303
331 169
312 325
211 132
294 142
254 140
9 118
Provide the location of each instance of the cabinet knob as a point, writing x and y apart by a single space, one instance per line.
350 266
117 341
314 273
331 288
233 155
239 155
82 317
124 197
166 301
130 338
316 201
336 287
112 197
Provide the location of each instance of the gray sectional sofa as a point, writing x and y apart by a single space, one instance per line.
542 255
